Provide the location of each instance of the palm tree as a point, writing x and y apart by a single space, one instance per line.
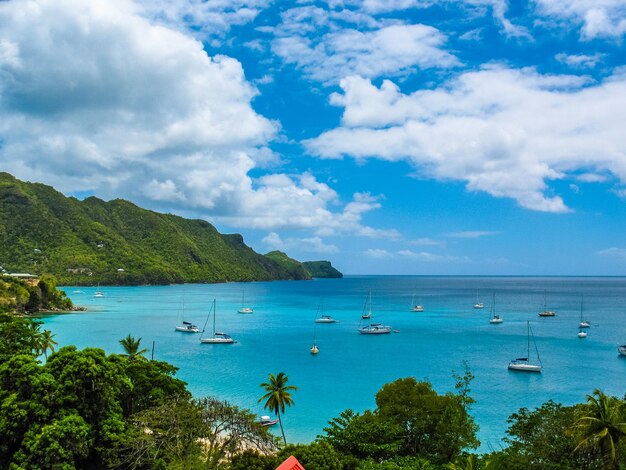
600 424
277 396
131 346
46 342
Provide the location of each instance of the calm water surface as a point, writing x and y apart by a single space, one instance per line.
350 367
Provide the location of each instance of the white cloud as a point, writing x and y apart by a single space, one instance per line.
592 178
472 234
580 61
312 39
377 253
95 97
312 245
503 131
204 18
613 252
598 18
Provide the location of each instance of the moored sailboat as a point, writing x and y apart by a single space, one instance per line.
217 337
478 304
416 307
243 308
494 319
523 364
367 312
546 312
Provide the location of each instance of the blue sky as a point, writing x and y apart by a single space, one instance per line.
393 137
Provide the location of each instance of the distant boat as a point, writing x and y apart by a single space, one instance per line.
621 349
320 308
375 329
98 292
243 308
217 338
367 311
416 307
494 318
186 327
325 319
523 364
267 421
77 292
478 303
583 323
546 312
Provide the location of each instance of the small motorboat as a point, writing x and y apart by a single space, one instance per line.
267 421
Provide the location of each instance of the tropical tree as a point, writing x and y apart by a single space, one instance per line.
600 424
131 347
278 396
45 342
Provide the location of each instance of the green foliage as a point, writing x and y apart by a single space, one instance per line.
321 269
295 268
18 296
538 440
318 455
398 463
600 425
410 420
85 242
131 347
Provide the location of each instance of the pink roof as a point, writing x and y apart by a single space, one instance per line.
290 464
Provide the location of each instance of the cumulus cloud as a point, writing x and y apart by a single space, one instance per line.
597 18
314 40
504 131
98 98
313 244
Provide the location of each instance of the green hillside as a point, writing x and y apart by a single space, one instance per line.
117 242
294 267
321 269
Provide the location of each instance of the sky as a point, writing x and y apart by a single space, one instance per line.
469 137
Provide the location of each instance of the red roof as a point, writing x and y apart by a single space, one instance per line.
290 464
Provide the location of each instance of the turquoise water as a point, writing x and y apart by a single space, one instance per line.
350 368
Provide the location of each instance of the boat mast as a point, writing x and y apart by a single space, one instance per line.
530 331
214 312
528 340
581 306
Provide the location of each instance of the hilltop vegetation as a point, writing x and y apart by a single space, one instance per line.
19 296
321 269
117 242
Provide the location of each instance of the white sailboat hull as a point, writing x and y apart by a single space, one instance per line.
547 313
245 310
325 320
417 308
375 330
218 340
496 321
621 349
584 324
188 329
479 305
582 335
524 367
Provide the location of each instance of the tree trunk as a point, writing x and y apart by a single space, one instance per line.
280 421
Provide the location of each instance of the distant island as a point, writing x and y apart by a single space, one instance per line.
119 243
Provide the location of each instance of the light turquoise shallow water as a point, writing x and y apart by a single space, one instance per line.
350 368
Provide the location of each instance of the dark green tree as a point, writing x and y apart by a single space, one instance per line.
278 396
600 424
132 347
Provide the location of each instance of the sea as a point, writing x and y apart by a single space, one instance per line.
350 368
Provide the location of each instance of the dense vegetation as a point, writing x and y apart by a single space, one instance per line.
321 269
18 296
84 409
116 242
294 267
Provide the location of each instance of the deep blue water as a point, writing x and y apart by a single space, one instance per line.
350 367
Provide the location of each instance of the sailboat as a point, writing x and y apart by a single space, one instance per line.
367 312
243 308
523 364
314 349
494 318
416 307
621 349
546 312
98 292
323 318
478 304
186 327
217 338
372 328
583 323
